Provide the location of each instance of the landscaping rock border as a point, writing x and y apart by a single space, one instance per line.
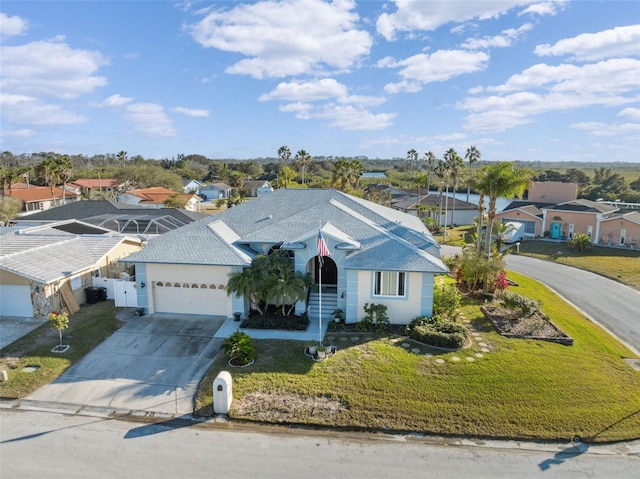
538 326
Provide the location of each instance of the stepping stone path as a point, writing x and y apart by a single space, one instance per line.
429 355
405 345
415 350
440 361
355 339
479 355
482 345
470 359
485 350
455 359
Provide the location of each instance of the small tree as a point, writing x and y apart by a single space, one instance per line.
239 346
176 201
59 321
580 242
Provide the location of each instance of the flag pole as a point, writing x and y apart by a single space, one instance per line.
320 301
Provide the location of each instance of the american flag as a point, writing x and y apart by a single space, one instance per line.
323 250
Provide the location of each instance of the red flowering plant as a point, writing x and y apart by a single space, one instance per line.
501 283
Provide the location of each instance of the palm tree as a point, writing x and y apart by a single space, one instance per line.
455 166
341 173
502 179
356 168
471 156
476 180
442 172
47 170
303 159
64 169
247 284
284 153
431 161
122 157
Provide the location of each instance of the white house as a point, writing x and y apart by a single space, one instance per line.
378 255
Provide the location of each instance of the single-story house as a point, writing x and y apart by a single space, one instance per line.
88 187
563 220
156 196
39 198
378 255
215 191
119 217
255 188
47 268
191 186
527 213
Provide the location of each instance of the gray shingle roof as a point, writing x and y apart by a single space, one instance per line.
387 236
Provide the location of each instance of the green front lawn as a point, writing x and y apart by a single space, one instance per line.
621 265
521 389
87 328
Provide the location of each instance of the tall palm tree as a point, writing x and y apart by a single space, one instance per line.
247 284
442 172
122 157
471 156
502 179
47 170
341 173
431 161
356 168
284 153
455 165
303 159
476 180
64 170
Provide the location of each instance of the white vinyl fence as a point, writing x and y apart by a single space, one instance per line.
122 291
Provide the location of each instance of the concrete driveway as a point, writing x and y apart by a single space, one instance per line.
151 364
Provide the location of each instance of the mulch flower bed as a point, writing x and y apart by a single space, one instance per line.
536 326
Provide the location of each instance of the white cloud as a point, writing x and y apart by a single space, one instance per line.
599 129
22 133
150 118
505 39
603 78
50 68
362 100
114 101
439 66
306 91
412 15
285 38
352 118
12 26
633 113
300 109
545 8
33 111
616 42
403 86
192 112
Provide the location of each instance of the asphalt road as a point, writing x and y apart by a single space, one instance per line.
614 306
38 444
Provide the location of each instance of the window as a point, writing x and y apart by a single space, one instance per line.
389 283
76 283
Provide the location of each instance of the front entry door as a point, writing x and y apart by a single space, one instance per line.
556 229
329 271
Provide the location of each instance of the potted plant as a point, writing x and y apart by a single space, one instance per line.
321 351
338 315
236 316
240 349
312 349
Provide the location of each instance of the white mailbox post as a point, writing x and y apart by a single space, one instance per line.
222 395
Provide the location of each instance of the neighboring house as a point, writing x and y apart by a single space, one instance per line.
191 186
379 255
215 191
255 188
88 187
38 198
527 213
156 196
119 217
563 220
47 268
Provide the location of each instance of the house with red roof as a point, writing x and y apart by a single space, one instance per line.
156 196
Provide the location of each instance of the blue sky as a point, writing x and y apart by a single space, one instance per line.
520 80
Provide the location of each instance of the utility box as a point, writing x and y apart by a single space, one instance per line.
222 394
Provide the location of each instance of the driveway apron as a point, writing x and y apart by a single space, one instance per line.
152 364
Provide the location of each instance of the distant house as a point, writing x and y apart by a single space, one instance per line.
378 256
39 198
552 192
88 187
47 268
156 196
623 229
255 188
215 191
563 220
191 186
525 212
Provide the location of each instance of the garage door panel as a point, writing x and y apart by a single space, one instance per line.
15 300
190 300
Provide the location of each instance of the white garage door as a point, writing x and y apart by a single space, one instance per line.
15 301
209 299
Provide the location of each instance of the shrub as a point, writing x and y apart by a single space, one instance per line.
473 269
444 334
580 242
526 306
375 318
501 283
239 346
446 300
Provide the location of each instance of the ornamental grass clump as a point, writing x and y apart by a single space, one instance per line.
523 305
